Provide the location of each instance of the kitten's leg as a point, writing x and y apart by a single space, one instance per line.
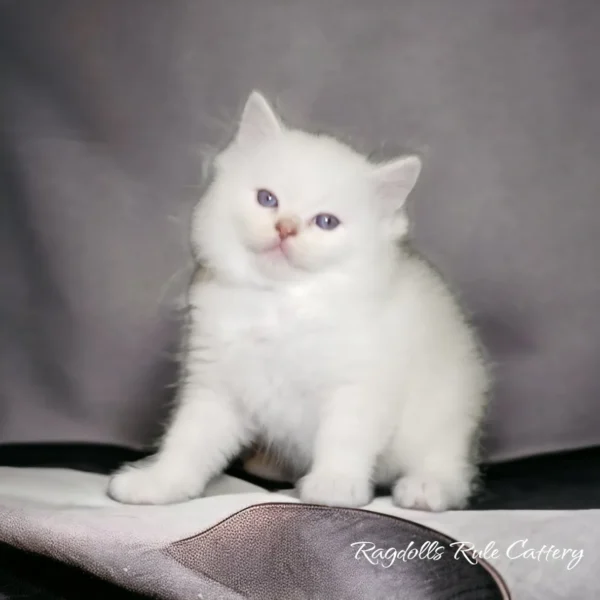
350 436
205 434
439 470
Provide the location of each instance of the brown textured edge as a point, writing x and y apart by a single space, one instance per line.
492 571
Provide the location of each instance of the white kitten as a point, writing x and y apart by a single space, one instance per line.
314 330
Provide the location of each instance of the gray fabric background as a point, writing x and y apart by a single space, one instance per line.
107 107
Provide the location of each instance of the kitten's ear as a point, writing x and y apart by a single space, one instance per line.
258 121
395 180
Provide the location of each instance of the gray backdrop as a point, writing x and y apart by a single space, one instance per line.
108 106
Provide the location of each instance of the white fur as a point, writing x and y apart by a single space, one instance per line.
349 358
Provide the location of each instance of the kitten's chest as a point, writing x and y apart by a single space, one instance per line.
284 344
273 328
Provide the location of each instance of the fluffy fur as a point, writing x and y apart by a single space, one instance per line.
340 351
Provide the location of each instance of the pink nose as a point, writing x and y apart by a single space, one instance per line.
286 228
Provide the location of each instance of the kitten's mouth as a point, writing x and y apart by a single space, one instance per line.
279 248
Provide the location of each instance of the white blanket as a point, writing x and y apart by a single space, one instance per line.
542 555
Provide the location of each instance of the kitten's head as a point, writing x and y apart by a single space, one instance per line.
284 204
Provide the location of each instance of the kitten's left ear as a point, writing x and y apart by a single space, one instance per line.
395 180
258 121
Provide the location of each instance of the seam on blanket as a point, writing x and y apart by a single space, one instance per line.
199 572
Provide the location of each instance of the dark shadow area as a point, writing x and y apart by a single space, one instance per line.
26 576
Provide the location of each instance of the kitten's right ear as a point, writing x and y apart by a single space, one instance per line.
258 121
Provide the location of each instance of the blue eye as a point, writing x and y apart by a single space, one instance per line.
266 198
325 221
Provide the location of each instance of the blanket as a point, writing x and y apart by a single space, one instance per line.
240 541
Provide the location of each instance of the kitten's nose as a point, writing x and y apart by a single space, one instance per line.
286 228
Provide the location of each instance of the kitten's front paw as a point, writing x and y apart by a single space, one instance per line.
332 488
428 493
151 483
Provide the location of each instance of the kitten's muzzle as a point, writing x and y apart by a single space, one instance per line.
286 228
